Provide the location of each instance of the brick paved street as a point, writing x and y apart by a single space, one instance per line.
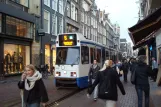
10 94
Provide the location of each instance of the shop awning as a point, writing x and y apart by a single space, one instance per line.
145 27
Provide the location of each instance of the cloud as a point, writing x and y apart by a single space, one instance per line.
124 12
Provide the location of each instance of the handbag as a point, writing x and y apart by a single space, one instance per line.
133 77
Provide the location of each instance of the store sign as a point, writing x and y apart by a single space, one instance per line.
67 40
41 32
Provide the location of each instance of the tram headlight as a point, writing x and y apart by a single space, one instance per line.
57 74
73 74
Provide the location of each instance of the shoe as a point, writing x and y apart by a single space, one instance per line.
95 99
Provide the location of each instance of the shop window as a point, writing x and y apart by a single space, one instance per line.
85 54
98 55
18 27
0 23
47 56
16 57
46 21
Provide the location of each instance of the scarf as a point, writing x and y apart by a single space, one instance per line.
94 66
32 80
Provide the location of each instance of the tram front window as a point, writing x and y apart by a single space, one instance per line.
68 55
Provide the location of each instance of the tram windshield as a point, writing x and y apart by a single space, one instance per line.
68 55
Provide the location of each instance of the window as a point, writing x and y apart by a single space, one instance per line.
98 55
68 55
82 16
17 27
83 30
85 34
47 2
0 23
76 0
61 7
61 25
54 4
54 24
76 14
85 55
92 54
88 21
85 19
68 9
46 21
72 11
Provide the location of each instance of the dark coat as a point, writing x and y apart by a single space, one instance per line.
93 72
37 94
125 67
114 82
143 71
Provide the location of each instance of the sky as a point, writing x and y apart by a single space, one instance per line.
124 12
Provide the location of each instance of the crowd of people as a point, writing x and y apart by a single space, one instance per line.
105 81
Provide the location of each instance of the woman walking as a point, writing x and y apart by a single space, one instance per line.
108 81
34 91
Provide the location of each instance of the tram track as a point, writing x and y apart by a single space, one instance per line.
17 103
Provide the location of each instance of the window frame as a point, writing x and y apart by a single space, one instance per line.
84 53
54 19
55 5
68 9
48 3
48 20
61 25
61 4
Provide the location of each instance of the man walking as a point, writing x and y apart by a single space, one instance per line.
154 68
94 69
125 68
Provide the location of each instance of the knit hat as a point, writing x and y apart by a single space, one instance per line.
142 51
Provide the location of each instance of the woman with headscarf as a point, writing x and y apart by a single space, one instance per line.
108 81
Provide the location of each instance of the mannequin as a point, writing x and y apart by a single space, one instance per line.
8 63
15 61
20 62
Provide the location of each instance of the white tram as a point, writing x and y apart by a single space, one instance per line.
75 54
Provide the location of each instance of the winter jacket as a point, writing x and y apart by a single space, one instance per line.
114 81
37 94
125 67
142 72
93 72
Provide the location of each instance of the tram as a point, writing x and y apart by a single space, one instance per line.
74 56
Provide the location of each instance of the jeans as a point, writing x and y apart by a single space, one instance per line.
95 95
33 105
155 71
110 103
140 89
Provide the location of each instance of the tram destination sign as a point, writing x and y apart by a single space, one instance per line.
67 40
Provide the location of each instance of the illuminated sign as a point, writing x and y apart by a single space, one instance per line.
68 43
68 40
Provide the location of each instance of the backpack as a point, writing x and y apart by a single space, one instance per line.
105 86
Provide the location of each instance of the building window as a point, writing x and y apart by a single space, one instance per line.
82 16
60 25
83 29
47 2
54 4
18 27
76 14
88 21
72 11
68 9
46 21
0 23
61 6
85 55
76 0
54 24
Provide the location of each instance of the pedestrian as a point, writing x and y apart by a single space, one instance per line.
34 91
154 68
94 69
108 81
125 68
142 72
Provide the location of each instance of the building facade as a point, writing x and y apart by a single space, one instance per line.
17 36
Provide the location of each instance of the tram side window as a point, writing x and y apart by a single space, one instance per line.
98 55
92 54
85 55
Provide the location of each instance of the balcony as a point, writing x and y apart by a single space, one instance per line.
15 5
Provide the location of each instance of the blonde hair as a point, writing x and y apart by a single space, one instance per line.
30 66
108 63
